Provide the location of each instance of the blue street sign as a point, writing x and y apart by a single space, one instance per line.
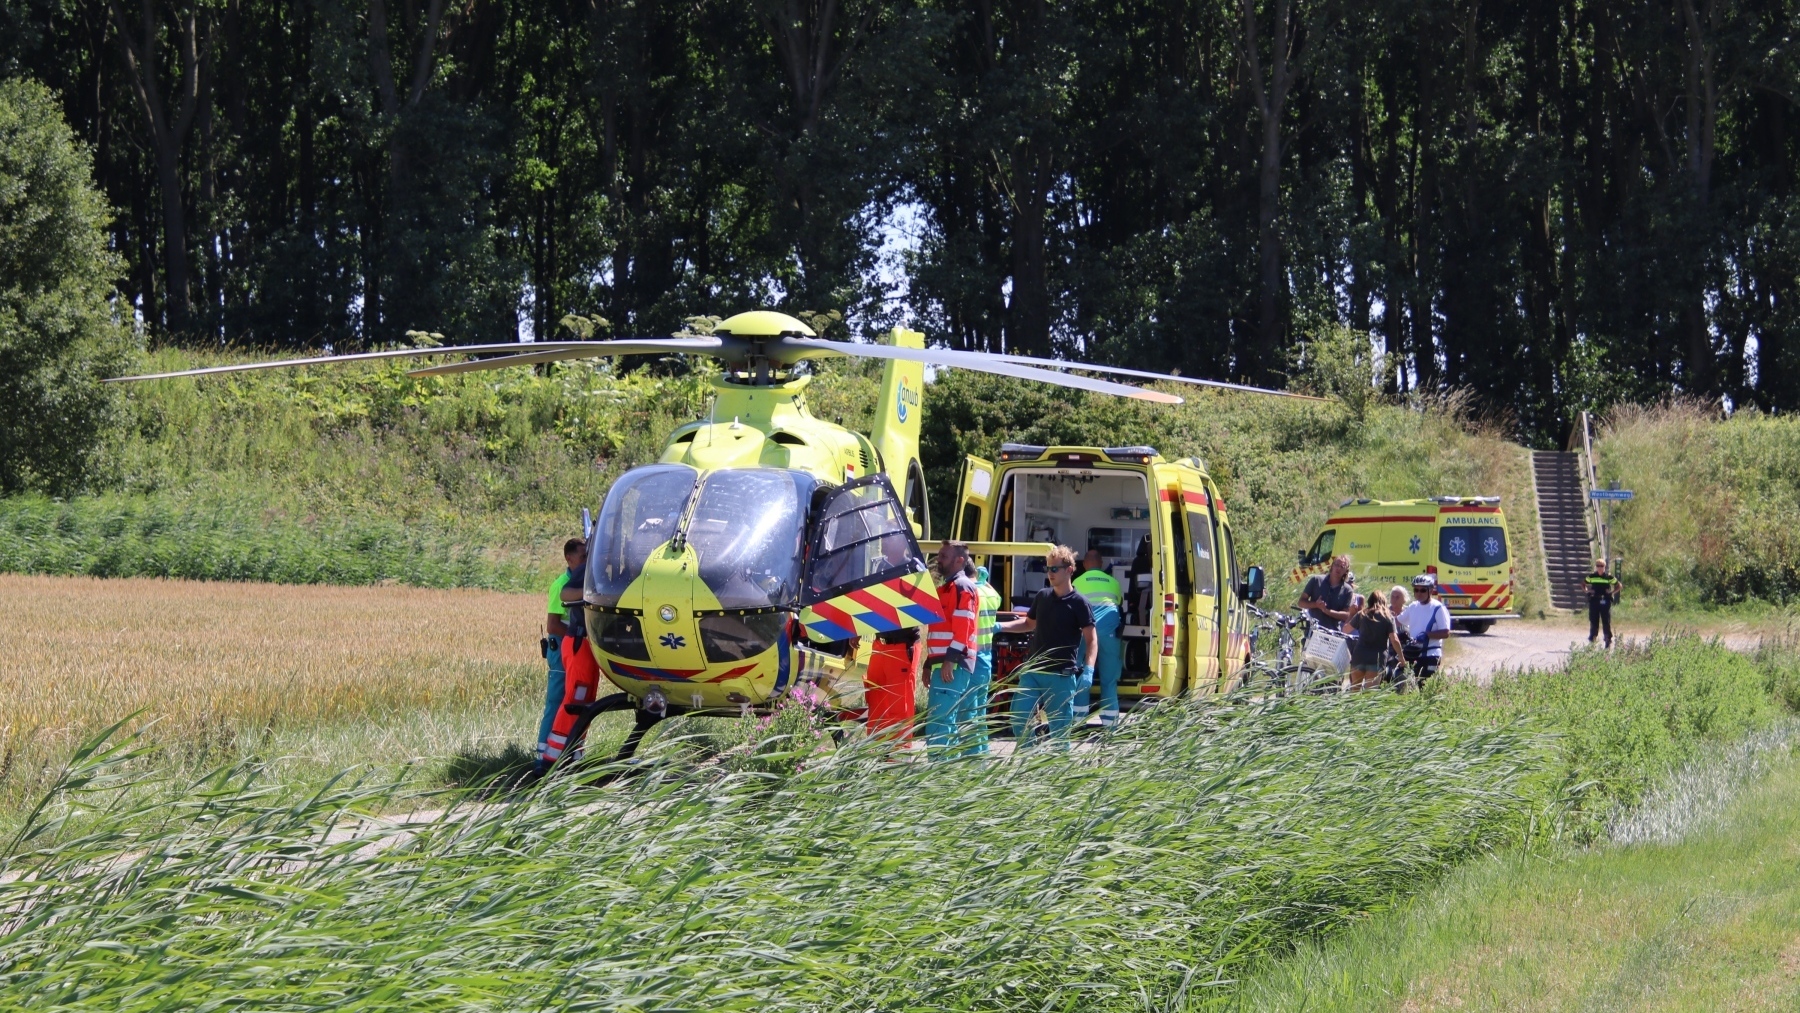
1610 494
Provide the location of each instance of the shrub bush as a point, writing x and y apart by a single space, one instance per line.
58 335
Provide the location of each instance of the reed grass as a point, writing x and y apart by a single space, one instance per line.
1143 878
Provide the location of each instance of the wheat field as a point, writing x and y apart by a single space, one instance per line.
216 668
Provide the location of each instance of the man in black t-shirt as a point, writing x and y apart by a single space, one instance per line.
1063 648
1329 596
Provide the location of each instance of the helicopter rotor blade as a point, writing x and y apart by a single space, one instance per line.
321 360
791 350
589 350
1147 375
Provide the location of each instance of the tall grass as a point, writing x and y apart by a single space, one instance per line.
1133 880
238 537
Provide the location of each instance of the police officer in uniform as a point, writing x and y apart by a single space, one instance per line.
1602 592
1104 597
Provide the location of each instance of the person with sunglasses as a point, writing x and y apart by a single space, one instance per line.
1063 649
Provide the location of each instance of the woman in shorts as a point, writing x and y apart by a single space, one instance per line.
1375 635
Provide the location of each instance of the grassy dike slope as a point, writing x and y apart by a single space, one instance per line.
1717 515
364 475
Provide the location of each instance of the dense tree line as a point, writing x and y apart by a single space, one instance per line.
1554 204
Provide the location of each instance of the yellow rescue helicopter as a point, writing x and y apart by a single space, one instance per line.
765 548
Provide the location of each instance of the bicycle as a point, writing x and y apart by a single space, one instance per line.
1284 675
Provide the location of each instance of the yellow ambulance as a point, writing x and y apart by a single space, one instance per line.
1162 530
1460 540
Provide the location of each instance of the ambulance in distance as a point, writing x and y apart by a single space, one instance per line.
1460 540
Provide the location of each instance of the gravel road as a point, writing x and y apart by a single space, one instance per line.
1527 645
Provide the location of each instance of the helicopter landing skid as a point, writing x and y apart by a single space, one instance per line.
586 713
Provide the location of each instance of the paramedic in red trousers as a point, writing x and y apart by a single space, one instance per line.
581 672
555 626
888 688
950 654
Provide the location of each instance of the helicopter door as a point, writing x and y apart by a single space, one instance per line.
864 572
975 500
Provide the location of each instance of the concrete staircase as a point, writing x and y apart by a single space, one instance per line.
1562 516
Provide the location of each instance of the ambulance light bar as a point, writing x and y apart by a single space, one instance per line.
1130 455
1467 500
1021 451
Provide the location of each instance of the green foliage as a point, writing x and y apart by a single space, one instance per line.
1716 520
1337 362
341 171
1626 718
58 336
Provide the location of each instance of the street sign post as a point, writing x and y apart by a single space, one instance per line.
1609 497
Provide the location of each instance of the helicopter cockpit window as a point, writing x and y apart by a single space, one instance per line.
747 531
641 513
862 532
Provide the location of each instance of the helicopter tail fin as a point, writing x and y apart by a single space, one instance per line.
897 413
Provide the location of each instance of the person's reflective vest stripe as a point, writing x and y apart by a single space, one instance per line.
1099 587
956 631
1602 587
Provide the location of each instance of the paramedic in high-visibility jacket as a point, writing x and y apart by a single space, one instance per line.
556 626
986 617
1103 594
950 654
581 671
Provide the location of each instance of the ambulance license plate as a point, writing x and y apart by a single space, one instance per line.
1458 601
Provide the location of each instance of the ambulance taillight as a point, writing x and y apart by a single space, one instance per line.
1168 638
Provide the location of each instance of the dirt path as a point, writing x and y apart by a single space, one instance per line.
1538 646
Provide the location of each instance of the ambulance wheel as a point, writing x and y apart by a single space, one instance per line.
1478 626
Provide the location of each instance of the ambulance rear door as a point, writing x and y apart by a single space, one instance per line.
975 500
1234 618
1473 557
1202 578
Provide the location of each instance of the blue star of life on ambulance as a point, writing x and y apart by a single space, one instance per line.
1413 546
672 641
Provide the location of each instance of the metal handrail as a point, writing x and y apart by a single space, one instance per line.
1590 480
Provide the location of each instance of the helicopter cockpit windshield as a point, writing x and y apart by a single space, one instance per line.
641 512
748 531
747 528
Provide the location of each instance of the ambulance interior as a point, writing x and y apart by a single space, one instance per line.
1104 510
